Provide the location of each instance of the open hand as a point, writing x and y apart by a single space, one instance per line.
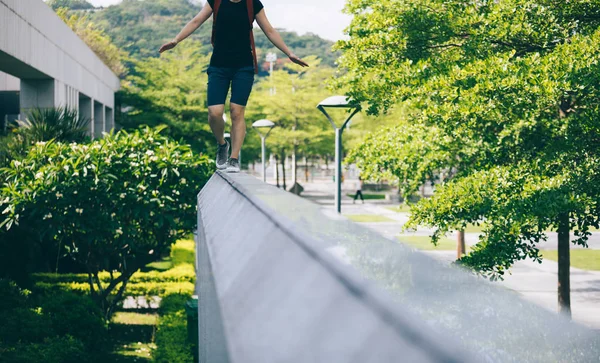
294 58
167 46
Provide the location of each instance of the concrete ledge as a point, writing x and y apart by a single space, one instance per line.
280 282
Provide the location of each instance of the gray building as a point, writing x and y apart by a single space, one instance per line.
43 63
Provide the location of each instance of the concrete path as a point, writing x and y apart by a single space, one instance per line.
536 282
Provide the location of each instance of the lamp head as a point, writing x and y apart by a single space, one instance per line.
265 125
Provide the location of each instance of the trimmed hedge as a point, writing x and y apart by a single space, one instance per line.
180 273
139 289
171 334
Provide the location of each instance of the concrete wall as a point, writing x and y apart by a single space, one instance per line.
281 280
53 64
268 293
9 83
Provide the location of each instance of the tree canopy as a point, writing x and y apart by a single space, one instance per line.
510 89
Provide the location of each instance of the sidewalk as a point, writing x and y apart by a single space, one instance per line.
536 282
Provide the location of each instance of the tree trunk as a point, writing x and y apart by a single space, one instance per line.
460 244
277 170
283 170
294 165
305 169
564 265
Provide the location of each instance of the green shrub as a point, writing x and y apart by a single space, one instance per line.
77 316
24 324
65 349
173 303
11 295
57 327
171 339
133 289
114 205
42 124
180 273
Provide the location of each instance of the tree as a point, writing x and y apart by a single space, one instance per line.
70 4
114 205
170 90
96 39
512 86
289 99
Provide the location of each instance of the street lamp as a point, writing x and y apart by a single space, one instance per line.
338 102
271 58
266 126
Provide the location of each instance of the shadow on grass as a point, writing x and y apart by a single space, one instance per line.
132 343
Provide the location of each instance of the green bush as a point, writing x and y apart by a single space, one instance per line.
116 204
42 124
180 273
65 349
171 340
60 327
134 289
173 303
76 315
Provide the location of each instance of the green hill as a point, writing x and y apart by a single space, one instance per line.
140 27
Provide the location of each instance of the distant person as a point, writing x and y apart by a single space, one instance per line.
359 187
233 65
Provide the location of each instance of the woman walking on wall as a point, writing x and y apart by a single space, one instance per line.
232 66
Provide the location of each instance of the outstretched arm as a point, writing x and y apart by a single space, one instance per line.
275 38
189 28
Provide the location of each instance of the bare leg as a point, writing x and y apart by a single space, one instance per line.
238 129
216 122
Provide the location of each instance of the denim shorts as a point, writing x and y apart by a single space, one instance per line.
220 79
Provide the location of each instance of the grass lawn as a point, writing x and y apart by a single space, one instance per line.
133 332
368 196
424 243
133 336
402 208
163 265
584 259
127 318
368 218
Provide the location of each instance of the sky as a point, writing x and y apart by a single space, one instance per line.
322 17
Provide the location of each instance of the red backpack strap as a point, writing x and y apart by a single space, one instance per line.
250 6
216 7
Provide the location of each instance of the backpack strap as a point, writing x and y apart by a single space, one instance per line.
216 7
250 6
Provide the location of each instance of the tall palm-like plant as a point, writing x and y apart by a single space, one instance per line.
59 124
43 124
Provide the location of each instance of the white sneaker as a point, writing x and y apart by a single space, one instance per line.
233 166
222 155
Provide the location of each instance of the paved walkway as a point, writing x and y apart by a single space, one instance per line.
536 282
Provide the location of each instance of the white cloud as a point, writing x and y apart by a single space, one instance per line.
323 17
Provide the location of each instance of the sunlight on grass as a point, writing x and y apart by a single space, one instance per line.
162 265
402 208
583 259
183 252
143 351
368 218
129 318
424 243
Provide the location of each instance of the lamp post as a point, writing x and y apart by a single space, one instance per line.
271 58
338 102
266 126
